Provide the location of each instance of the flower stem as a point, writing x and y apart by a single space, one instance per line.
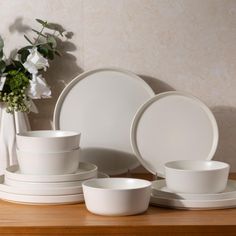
36 41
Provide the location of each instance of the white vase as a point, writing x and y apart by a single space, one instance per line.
10 125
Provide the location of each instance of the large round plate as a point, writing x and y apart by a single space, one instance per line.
85 171
42 200
173 126
159 189
41 189
101 104
57 188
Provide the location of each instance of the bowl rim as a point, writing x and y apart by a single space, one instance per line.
46 152
87 182
223 165
27 135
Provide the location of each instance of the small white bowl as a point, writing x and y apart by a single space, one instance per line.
117 196
48 141
200 176
41 163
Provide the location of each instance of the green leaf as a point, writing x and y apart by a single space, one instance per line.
1 43
38 33
2 66
18 64
43 23
28 39
56 27
43 50
24 48
1 54
52 40
23 55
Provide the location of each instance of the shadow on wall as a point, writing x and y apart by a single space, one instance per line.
61 71
157 85
226 120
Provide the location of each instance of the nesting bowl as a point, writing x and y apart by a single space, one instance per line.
48 141
196 176
43 163
117 196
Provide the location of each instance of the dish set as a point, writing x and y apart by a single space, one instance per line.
123 124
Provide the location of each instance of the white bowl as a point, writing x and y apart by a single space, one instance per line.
117 196
200 176
48 141
41 163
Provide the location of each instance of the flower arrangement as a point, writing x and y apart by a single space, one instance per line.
21 77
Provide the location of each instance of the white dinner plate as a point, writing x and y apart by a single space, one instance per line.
42 187
159 189
101 104
173 126
42 200
18 187
85 171
193 204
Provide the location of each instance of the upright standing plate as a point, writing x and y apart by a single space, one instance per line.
101 105
173 126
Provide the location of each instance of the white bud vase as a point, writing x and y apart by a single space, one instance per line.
10 125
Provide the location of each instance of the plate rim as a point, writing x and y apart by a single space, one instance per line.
55 178
80 77
186 195
197 204
147 104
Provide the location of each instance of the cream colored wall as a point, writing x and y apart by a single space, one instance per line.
186 45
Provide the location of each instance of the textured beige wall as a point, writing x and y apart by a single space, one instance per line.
187 45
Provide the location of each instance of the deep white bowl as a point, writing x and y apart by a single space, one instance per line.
200 176
41 163
117 196
48 141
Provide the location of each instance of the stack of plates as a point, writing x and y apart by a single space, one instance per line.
46 189
164 197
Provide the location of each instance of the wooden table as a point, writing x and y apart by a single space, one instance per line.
26 220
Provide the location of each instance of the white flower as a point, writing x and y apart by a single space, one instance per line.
35 61
38 88
2 82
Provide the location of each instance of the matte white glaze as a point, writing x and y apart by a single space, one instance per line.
41 163
196 176
172 126
101 105
48 141
117 196
85 171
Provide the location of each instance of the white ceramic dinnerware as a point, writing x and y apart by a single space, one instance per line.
117 196
48 141
41 185
43 189
101 105
42 200
40 189
196 176
173 126
159 189
42 193
85 171
43 163
193 204
46 185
